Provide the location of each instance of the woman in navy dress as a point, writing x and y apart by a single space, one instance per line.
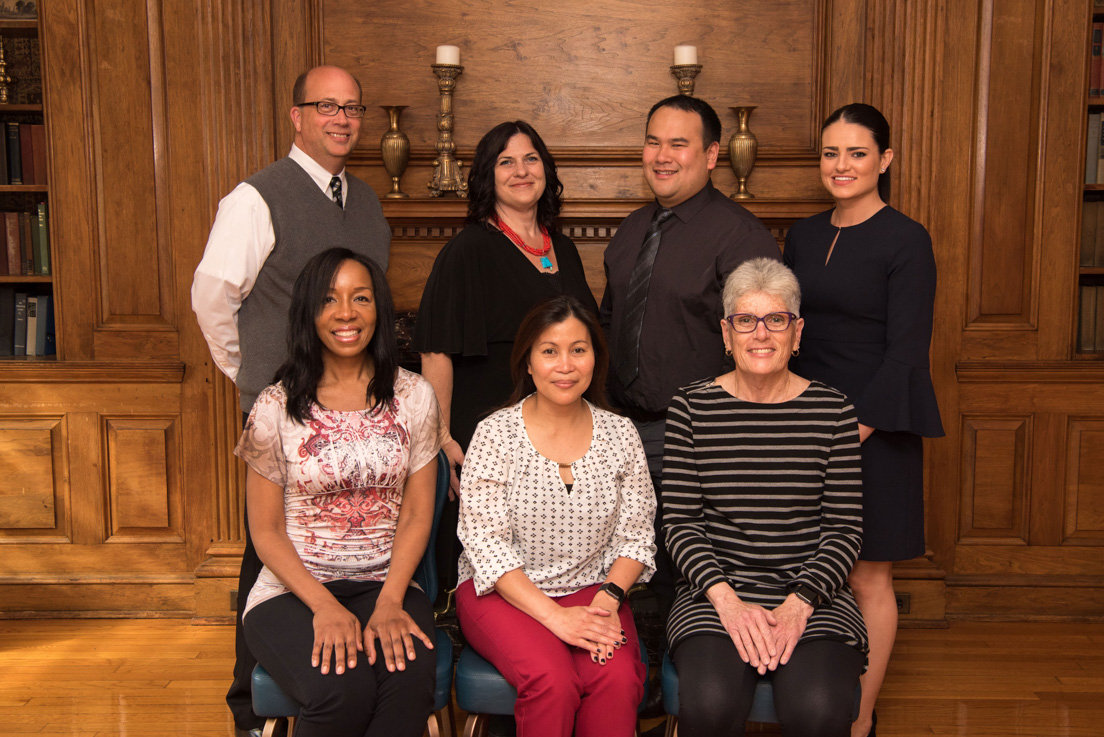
867 277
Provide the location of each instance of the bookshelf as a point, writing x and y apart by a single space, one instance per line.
27 304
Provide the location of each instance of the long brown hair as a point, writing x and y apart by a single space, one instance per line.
543 316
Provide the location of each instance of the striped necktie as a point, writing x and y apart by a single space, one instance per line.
632 317
335 188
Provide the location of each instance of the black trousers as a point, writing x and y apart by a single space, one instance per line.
365 701
814 693
240 696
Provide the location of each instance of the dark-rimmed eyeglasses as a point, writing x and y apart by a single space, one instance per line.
775 322
329 109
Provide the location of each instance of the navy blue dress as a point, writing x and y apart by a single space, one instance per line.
868 323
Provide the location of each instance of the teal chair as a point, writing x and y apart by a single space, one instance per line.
762 702
273 704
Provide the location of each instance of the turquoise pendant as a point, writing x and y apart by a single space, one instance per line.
545 263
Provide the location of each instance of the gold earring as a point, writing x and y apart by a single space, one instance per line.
728 351
795 351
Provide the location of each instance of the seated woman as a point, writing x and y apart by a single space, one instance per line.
762 501
342 466
556 510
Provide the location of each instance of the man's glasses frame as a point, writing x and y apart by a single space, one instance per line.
330 109
781 322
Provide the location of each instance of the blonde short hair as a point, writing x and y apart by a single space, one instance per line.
765 275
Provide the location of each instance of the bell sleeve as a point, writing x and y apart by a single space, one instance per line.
452 317
900 396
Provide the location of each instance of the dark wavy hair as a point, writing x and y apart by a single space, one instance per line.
543 316
303 368
481 175
711 124
871 118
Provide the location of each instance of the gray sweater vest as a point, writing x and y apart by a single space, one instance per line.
306 222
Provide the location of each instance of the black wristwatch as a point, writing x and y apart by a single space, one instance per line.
614 590
806 593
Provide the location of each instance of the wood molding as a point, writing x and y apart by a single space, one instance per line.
1034 372
91 372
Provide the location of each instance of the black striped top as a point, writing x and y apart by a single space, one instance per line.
763 496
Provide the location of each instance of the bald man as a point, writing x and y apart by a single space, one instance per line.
266 229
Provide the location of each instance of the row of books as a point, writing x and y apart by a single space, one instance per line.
23 158
1096 61
25 243
1094 164
1092 233
26 324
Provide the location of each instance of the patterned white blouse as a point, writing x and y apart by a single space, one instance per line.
516 511
343 476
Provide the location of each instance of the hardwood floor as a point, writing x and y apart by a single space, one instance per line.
115 678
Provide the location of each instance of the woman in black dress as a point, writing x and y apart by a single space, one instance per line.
508 258
867 276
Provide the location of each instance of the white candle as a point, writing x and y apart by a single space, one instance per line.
685 54
448 54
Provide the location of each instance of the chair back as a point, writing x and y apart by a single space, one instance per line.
426 573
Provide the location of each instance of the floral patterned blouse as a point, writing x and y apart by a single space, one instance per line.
343 475
516 511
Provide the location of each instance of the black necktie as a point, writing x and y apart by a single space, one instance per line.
632 318
335 187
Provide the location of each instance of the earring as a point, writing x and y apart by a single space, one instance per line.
883 171
795 351
728 352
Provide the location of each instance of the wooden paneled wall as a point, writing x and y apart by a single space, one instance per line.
120 493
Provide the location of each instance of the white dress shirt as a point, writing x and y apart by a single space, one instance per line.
241 239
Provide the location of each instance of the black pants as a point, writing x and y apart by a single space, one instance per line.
240 696
814 693
365 701
662 584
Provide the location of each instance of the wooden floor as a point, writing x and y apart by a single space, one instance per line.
110 678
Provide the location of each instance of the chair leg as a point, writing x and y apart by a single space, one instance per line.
270 727
477 725
440 723
672 727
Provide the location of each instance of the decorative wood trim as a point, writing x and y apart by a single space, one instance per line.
582 156
1035 372
91 372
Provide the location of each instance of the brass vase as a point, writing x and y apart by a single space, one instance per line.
742 148
395 147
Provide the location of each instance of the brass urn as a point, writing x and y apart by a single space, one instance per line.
742 148
395 147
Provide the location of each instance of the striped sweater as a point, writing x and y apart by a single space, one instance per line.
763 496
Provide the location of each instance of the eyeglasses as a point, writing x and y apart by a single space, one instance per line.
330 109
775 322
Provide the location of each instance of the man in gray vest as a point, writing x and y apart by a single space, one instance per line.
264 232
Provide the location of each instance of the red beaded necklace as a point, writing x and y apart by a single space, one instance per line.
546 263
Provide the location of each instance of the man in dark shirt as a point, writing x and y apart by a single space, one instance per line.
705 238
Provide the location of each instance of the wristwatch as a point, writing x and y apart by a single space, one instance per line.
614 590
806 593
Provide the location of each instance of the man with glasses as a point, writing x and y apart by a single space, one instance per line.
665 269
266 229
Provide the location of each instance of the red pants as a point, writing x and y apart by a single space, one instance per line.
559 688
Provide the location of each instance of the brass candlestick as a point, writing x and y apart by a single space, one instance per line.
5 80
685 74
742 148
447 176
395 148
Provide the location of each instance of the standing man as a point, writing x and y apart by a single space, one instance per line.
665 269
266 229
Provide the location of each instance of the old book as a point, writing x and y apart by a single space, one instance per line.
1094 62
40 232
7 320
1088 231
15 167
19 341
5 257
5 178
1092 148
11 238
1098 322
25 219
38 138
25 69
32 325
26 153
47 331
1086 334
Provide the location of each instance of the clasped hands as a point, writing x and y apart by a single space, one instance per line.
592 628
764 638
337 633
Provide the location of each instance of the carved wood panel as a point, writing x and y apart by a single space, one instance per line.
1084 491
144 502
994 473
34 481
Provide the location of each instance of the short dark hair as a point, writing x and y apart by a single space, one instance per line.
303 368
543 316
299 89
481 175
871 118
711 124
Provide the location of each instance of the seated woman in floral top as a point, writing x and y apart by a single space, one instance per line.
556 510
342 464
